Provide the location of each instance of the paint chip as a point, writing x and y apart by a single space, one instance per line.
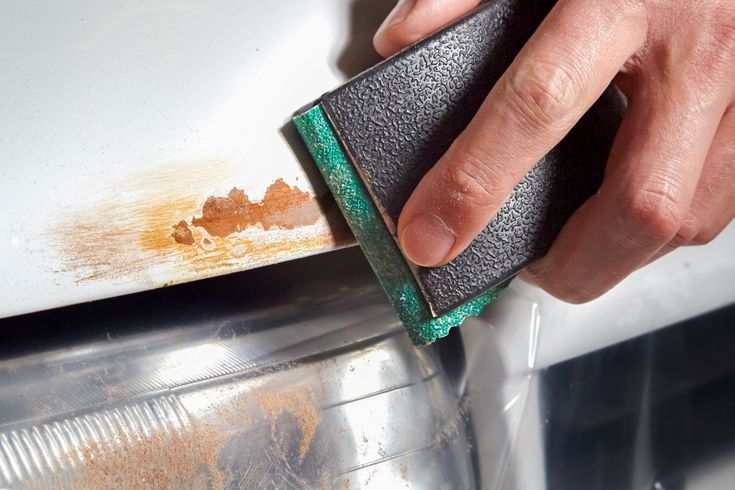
282 206
207 244
182 234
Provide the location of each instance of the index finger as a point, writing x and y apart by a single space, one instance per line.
554 80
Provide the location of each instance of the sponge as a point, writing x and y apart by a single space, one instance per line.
373 236
376 136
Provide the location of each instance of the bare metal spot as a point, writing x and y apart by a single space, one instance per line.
282 206
239 250
182 234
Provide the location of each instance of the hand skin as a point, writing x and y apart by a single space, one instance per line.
670 177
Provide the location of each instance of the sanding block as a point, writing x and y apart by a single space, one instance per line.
375 137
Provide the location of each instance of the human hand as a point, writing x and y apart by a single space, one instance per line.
670 177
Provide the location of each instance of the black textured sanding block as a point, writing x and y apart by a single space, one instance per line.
398 118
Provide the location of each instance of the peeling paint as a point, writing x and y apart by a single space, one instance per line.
182 233
282 206
161 229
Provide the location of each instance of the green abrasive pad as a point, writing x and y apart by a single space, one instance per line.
373 236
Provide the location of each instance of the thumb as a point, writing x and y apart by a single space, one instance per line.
412 20
554 80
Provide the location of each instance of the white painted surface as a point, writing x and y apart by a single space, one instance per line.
106 107
115 104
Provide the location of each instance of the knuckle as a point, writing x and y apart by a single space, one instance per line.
543 95
706 235
689 229
657 214
633 12
538 273
552 280
572 293
713 52
723 35
472 181
629 8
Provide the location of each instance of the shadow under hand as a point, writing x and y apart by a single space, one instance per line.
357 55
337 224
365 18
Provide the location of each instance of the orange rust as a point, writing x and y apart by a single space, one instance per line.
129 237
298 403
182 233
155 217
163 459
282 206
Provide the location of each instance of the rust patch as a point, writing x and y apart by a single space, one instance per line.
141 231
182 233
282 206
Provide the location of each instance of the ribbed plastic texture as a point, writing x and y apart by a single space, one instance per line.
52 453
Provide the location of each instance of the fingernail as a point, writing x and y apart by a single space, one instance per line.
398 14
426 240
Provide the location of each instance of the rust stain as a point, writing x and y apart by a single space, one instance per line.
163 459
282 206
160 228
182 233
157 220
299 404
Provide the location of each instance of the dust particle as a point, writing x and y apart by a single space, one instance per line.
451 425
236 413
162 460
115 393
300 405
